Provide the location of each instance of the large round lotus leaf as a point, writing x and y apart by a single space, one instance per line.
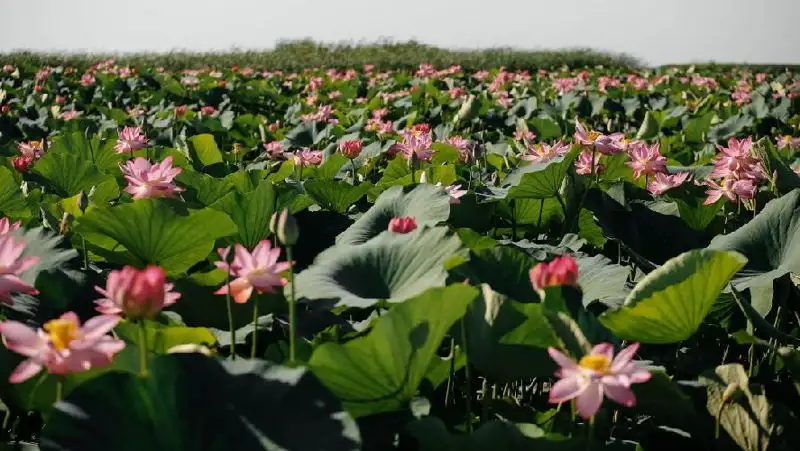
771 243
193 402
391 267
670 303
428 204
155 232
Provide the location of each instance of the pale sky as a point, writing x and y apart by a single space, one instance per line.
657 31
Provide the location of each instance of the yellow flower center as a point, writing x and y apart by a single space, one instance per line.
61 332
596 362
593 135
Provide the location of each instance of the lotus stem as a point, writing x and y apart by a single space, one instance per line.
85 254
230 313
468 375
253 351
142 348
539 220
353 165
514 219
59 389
292 308
448 389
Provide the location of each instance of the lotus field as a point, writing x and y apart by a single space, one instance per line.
444 259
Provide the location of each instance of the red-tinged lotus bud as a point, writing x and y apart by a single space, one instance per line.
559 272
402 225
351 148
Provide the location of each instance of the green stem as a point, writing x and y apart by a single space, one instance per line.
229 306
539 221
468 375
564 209
292 308
142 348
514 219
59 389
255 328
353 165
449 388
85 254
589 433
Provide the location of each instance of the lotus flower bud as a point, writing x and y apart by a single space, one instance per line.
402 225
561 271
284 226
351 149
83 201
63 227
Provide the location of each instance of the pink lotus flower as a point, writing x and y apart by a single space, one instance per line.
130 139
12 266
455 192
562 271
542 153
33 149
647 160
150 181
306 157
208 110
180 110
462 145
62 346
402 224
596 375
738 161
6 226
741 97
136 293
564 85
731 188
414 142
259 271
663 182
787 141
604 144
524 136
351 148
456 92
70 115
583 165
274 149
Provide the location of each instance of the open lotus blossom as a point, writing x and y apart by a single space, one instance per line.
593 139
259 271
130 139
731 188
306 157
6 226
738 161
12 266
351 148
136 293
787 141
402 224
62 345
596 375
150 181
583 164
646 160
663 182
274 150
562 271
543 153
414 142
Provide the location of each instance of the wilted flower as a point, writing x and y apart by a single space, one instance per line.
596 375
136 293
542 153
62 346
562 271
402 224
351 148
583 164
12 266
259 271
647 160
663 182
33 149
130 139
150 181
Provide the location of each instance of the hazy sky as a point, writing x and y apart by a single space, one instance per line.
754 31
